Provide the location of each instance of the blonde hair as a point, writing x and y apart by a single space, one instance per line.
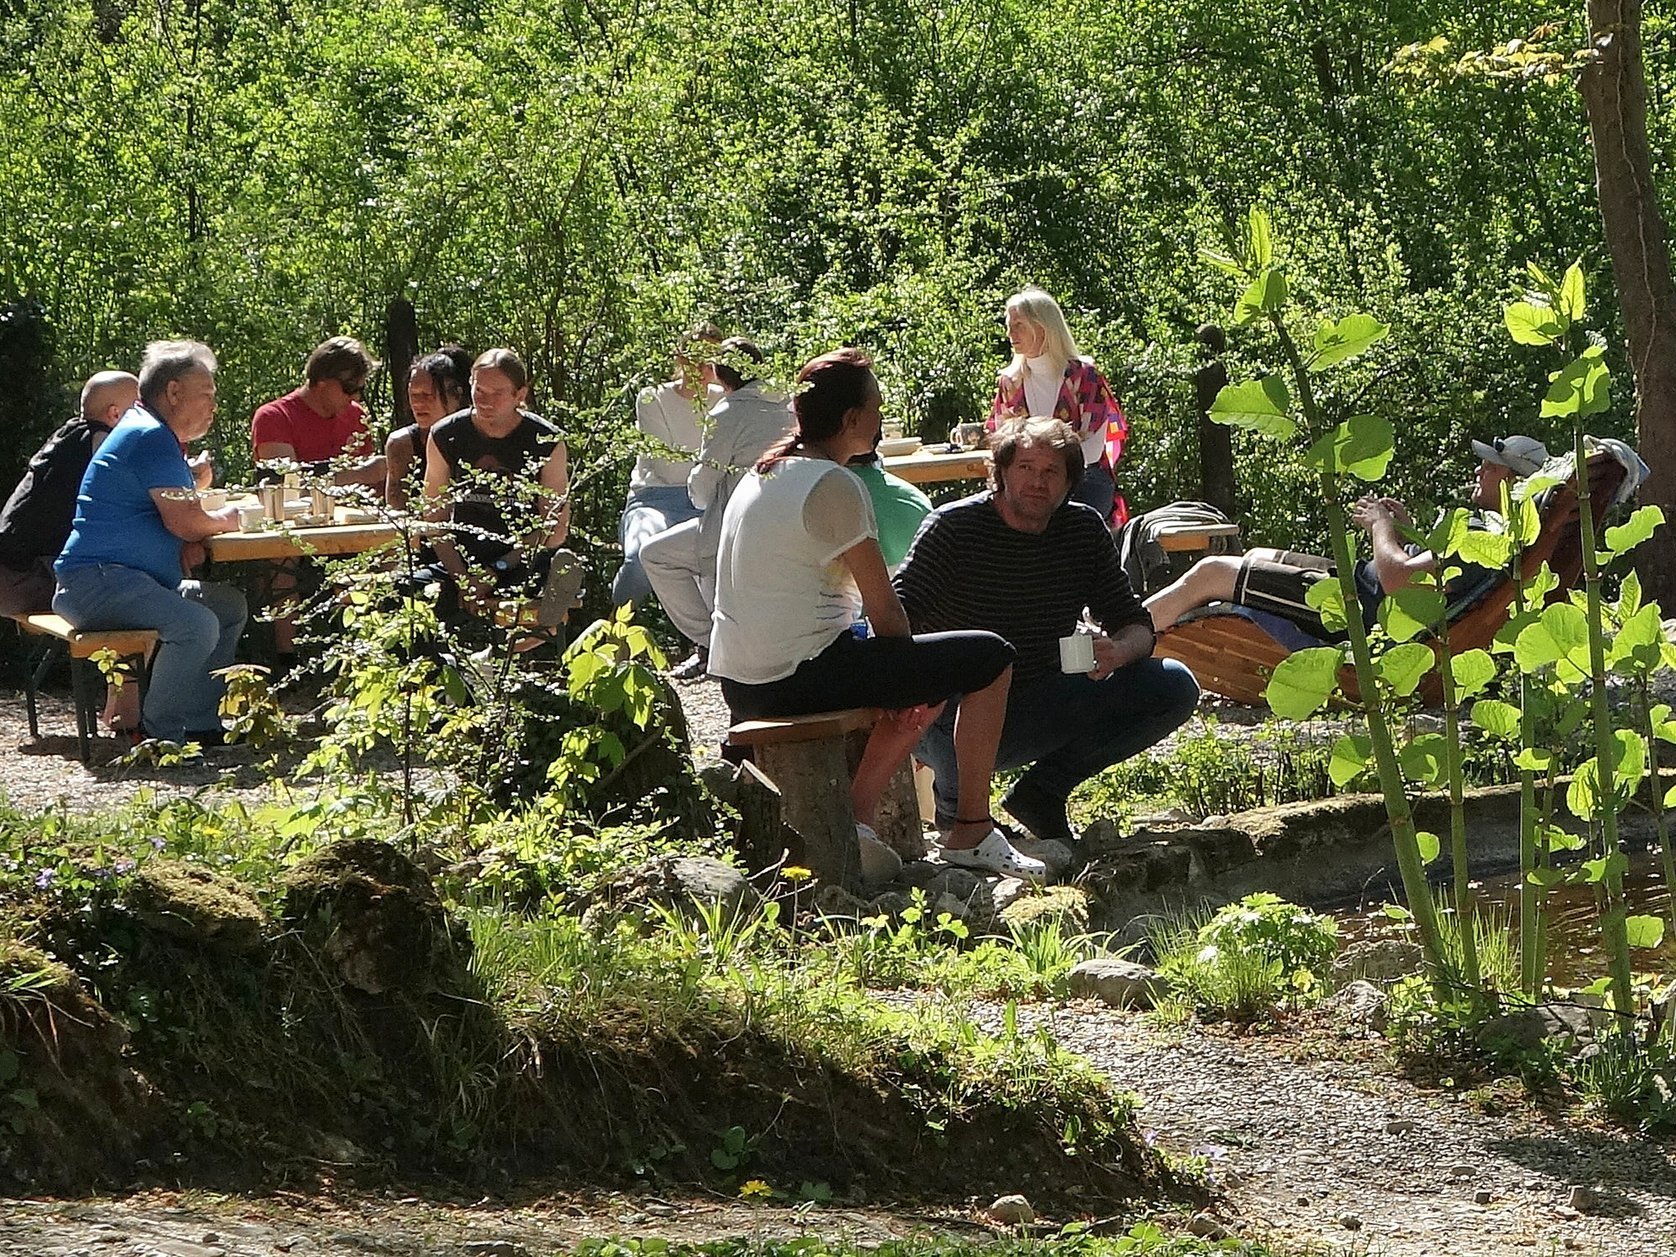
1037 305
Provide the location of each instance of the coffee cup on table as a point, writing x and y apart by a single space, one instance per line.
1076 654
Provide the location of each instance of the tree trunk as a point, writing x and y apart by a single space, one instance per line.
1614 92
401 349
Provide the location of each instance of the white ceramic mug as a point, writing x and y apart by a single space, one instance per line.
1076 653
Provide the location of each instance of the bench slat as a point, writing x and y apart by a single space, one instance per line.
811 728
123 642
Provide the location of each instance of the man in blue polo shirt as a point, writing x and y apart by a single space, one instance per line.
139 528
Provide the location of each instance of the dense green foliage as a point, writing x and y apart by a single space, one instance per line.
582 180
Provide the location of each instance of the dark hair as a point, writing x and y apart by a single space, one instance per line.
1020 434
506 362
730 355
828 388
341 358
450 371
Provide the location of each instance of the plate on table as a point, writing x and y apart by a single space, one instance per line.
899 446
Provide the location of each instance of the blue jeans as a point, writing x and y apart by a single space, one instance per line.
651 509
1097 488
198 629
1071 727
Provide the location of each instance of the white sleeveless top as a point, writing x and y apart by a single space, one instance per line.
783 595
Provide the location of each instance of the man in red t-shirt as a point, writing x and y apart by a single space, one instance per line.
322 420
317 424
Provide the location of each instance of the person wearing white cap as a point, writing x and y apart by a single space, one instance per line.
1522 455
1278 581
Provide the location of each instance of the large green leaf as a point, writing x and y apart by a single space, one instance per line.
1638 647
1261 405
1582 387
1450 530
1349 338
1430 847
1410 611
1634 530
1303 681
1472 671
1221 261
1327 599
1401 667
1614 865
1496 718
1493 550
1644 931
1265 295
1349 759
1559 635
1571 303
1531 324
1362 445
1259 237
1424 759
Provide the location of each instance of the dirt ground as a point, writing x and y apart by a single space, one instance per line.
1312 1135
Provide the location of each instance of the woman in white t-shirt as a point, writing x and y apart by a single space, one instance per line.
799 564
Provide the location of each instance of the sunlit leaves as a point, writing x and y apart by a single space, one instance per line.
1261 405
1496 718
1429 845
1424 758
1410 611
1349 338
1472 670
1582 387
1571 302
1531 324
1634 530
1264 295
1362 446
1401 667
1349 759
1644 931
1326 598
1303 681
1259 237
1560 635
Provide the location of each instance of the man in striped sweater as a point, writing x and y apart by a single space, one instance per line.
1023 561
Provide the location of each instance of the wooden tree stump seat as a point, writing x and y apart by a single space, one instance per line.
81 647
810 760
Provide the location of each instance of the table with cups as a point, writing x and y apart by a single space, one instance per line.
281 521
962 458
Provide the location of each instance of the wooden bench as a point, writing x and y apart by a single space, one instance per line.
809 759
85 681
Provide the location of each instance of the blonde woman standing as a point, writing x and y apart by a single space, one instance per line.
1049 377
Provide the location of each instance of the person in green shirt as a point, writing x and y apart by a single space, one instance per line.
898 507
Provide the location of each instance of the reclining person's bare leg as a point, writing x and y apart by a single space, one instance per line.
1209 580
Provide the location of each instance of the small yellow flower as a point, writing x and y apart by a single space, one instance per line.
796 873
755 1189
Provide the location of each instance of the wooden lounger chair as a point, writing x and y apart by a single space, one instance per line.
1232 654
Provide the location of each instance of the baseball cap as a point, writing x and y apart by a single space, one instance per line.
1524 454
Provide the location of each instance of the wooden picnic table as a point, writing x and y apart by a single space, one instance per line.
925 467
294 539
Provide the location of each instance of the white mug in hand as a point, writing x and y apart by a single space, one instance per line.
1076 653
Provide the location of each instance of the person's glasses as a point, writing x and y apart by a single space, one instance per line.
352 389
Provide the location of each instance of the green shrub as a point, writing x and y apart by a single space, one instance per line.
1249 957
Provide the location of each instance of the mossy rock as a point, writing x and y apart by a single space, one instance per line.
374 916
71 1109
192 904
1068 905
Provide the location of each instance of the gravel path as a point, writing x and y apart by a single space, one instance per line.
1309 1133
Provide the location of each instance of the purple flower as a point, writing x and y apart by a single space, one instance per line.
45 878
157 844
125 865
